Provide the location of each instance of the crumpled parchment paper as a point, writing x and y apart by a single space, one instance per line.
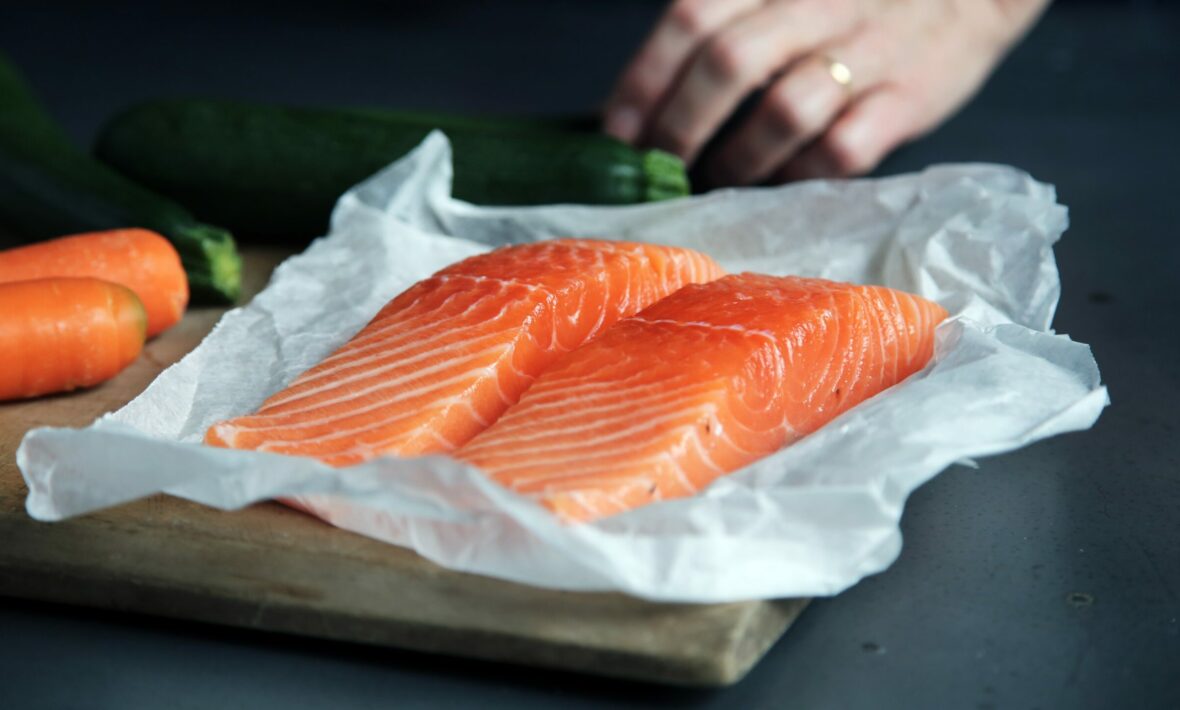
810 520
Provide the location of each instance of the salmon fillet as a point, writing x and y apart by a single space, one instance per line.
700 384
444 359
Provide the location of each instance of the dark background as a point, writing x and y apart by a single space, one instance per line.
1048 578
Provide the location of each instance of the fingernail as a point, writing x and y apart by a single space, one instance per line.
622 122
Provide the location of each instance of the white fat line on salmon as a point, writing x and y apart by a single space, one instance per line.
905 325
865 378
510 364
408 344
743 330
852 354
399 439
598 502
602 476
496 449
694 442
892 340
374 335
278 421
575 405
403 318
393 445
570 401
829 325
550 388
679 419
349 357
499 280
924 326
570 319
917 325
500 448
299 436
323 443
394 330
626 407
877 327
549 436
426 430
579 502
491 375
410 440
604 483
391 364
441 440
606 282
347 443
443 330
400 375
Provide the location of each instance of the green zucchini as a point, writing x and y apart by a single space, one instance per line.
274 171
49 187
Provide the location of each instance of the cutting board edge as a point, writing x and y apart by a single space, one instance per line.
121 596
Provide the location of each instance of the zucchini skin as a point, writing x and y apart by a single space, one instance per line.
276 172
49 187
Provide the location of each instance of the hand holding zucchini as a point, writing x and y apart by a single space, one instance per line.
277 172
48 187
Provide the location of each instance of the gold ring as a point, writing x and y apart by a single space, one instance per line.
839 72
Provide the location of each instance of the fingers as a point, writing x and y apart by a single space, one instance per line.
869 129
796 108
652 72
735 60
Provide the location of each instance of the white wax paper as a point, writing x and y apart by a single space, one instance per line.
810 520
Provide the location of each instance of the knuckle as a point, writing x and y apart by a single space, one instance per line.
875 41
846 155
847 13
727 57
846 10
786 114
690 17
832 13
642 84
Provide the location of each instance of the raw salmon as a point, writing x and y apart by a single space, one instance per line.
702 383
444 359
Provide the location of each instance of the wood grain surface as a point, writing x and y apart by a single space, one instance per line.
271 568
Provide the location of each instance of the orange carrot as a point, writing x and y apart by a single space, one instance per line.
141 260
61 333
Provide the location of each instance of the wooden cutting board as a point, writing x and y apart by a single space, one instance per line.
269 567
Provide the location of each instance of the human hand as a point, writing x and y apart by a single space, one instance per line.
844 81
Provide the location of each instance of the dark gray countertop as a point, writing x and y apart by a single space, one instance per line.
1047 578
